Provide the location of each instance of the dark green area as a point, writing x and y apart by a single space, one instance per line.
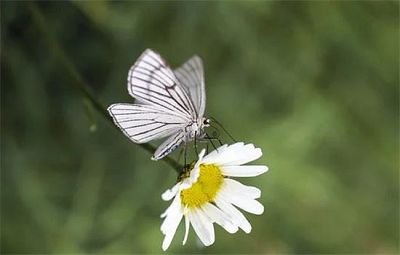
314 84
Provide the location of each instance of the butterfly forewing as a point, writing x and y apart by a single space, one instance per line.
151 81
191 76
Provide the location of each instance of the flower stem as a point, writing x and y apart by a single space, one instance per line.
80 83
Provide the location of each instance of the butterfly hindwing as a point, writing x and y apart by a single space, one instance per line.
169 145
143 123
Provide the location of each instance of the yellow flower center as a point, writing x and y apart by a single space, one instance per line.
206 187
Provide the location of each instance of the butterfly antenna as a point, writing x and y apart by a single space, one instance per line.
226 131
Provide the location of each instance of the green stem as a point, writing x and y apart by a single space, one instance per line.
80 83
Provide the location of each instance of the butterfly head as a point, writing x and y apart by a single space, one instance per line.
206 122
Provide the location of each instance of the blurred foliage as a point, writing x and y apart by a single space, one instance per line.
314 84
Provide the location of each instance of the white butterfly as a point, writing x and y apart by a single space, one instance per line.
168 103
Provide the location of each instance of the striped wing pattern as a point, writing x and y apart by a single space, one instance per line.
151 81
143 123
191 76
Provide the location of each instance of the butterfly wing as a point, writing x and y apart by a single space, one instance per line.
169 145
191 76
151 81
165 107
143 123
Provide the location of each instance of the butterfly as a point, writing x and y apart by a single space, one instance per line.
169 103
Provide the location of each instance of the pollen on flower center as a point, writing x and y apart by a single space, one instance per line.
206 187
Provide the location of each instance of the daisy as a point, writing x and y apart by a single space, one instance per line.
205 194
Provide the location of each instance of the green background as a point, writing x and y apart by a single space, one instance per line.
314 84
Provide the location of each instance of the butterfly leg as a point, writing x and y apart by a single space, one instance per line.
184 150
195 144
180 154
219 141
215 136
210 140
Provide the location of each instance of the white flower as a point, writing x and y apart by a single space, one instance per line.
205 194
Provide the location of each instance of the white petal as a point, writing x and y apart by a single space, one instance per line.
234 187
236 216
195 172
175 204
200 158
185 184
202 226
221 218
171 214
194 175
187 225
170 193
225 149
211 156
243 171
235 154
170 225
201 155
248 204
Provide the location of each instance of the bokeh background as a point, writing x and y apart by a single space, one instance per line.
314 84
